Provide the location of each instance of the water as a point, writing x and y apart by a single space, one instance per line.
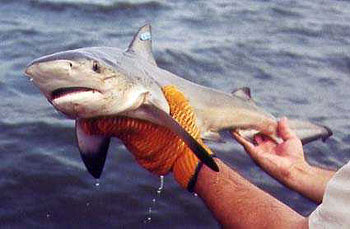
152 208
294 55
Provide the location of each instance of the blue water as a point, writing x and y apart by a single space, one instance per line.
294 55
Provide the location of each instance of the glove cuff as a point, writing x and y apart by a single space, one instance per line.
193 180
185 167
186 170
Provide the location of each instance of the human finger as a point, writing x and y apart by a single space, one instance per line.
283 129
248 145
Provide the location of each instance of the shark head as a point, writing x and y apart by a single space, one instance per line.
87 83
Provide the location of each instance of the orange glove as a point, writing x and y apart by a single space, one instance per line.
155 147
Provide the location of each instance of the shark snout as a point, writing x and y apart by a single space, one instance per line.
51 75
29 70
36 69
48 69
32 67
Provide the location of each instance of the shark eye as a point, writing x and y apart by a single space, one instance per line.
96 67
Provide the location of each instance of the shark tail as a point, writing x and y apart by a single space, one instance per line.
308 132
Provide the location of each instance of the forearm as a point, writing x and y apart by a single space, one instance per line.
309 181
237 203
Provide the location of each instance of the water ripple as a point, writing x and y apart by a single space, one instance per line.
97 6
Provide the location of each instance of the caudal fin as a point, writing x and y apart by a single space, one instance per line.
308 131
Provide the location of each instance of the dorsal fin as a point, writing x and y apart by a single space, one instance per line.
243 93
142 44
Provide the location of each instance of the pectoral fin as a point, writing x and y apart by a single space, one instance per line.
160 117
93 150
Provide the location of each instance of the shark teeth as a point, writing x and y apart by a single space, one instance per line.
60 92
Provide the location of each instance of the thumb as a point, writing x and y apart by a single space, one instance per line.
284 131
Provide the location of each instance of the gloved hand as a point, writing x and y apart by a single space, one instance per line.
154 147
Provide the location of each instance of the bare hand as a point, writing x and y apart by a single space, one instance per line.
279 160
286 162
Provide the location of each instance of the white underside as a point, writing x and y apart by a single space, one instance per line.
76 96
82 104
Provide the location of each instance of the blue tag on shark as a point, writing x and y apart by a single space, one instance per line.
145 36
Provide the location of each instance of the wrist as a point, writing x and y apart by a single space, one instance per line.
300 174
309 181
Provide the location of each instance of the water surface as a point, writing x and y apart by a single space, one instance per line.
294 55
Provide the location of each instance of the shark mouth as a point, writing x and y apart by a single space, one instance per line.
60 92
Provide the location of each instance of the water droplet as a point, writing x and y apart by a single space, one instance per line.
195 194
48 215
31 79
161 182
148 219
87 204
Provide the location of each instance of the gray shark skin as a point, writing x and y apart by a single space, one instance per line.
105 81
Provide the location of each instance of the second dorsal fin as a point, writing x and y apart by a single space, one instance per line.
243 93
142 44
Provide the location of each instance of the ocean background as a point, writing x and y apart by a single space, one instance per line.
294 55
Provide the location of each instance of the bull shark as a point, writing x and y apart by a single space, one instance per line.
105 81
